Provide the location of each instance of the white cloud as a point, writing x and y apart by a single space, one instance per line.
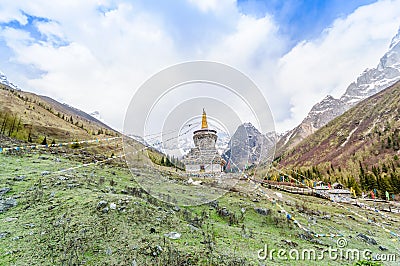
96 54
327 65
52 30
11 12
253 41
108 57
213 5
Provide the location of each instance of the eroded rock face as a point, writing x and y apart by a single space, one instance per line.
249 146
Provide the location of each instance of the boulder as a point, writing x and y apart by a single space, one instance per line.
262 211
101 204
173 235
367 239
7 203
4 190
19 178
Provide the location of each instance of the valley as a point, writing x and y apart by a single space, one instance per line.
75 191
94 213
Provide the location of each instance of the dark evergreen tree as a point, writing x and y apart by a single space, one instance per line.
167 162
29 137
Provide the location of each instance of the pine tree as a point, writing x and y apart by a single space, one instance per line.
362 172
370 181
18 125
352 183
168 162
384 168
389 142
395 182
11 129
376 170
29 137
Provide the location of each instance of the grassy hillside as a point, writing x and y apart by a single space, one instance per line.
363 143
29 117
98 215
80 205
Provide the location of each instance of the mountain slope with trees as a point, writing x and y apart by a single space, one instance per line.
361 146
30 117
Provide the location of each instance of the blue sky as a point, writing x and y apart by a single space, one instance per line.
302 19
70 50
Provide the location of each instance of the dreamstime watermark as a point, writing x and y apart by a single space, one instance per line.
338 253
159 141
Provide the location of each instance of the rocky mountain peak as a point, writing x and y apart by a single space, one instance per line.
320 114
395 41
392 57
327 103
372 81
249 146
328 98
249 128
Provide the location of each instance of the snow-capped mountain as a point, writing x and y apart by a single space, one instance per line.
364 129
180 144
222 142
97 115
370 82
138 139
4 80
186 143
323 112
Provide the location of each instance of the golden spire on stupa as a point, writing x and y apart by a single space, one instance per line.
204 120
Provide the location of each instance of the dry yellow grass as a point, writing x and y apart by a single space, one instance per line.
43 117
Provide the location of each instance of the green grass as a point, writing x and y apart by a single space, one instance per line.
59 224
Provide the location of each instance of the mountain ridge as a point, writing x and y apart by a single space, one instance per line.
248 146
367 132
30 117
4 80
370 82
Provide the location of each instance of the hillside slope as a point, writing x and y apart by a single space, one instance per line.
30 117
97 215
369 133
